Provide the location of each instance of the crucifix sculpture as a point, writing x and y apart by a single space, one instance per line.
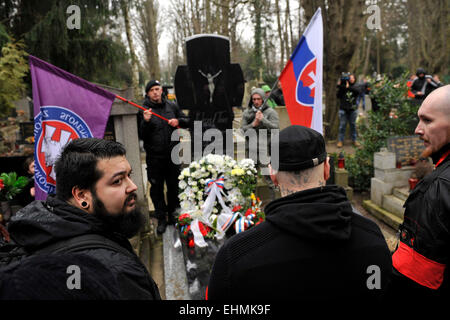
209 86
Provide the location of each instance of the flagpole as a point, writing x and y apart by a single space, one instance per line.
267 98
140 107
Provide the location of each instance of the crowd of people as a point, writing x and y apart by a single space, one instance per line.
313 245
351 94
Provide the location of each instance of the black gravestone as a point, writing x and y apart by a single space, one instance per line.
405 148
209 86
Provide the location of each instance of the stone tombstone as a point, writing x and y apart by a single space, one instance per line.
405 148
209 86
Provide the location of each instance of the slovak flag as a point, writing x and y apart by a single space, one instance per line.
301 78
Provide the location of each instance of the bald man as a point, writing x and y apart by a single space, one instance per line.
421 259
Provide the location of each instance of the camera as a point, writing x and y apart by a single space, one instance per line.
345 76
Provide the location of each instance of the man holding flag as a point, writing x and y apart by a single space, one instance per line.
158 146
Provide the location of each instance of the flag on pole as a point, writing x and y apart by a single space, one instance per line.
301 78
66 108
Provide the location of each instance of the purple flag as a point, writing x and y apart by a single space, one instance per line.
66 108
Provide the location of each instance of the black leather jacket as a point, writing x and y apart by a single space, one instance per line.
424 248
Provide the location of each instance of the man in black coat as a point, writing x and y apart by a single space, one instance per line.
95 196
421 260
158 146
312 246
423 85
347 92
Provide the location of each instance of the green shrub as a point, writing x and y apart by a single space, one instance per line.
396 116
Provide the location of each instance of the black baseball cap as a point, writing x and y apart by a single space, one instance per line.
151 84
300 148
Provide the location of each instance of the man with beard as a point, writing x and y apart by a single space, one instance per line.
95 196
420 261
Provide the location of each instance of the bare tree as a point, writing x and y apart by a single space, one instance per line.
428 28
148 35
134 61
280 36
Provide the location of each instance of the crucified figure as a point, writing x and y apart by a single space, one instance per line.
211 85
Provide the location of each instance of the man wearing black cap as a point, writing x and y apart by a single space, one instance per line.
158 146
312 245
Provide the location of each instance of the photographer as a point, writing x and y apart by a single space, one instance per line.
347 94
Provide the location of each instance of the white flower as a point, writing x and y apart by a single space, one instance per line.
197 213
185 172
182 184
192 164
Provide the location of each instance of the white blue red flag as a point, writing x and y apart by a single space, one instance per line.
66 108
301 78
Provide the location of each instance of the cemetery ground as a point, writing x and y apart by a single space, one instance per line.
167 267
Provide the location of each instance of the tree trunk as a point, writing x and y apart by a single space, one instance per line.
343 21
277 11
155 70
134 61
428 31
208 22
257 53
378 35
289 23
367 58
225 17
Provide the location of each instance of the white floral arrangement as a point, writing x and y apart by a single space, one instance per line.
213 192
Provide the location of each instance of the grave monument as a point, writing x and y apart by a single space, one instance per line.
209 86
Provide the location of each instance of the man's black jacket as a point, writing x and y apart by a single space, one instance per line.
421 259
157 132
312 246
42 224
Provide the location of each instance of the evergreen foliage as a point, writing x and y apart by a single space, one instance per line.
93 52
13 68
4 37
396 116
